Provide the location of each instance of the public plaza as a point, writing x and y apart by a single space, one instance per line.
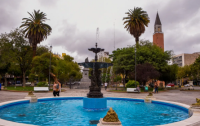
186 97
99 63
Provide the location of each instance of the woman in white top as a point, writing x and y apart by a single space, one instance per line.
106 85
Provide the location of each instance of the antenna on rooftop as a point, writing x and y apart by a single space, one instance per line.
114 35
97 35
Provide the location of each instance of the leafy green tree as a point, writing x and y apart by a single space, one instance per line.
105 78
135 22
170 73
67 69
195 69
184 72
62 68
41 67
35 29
41 50
17 52
4 47
117 79
124 58
147 52
145 72
131 84
68 58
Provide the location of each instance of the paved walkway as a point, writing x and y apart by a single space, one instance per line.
187 97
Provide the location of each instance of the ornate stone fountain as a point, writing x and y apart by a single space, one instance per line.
95 99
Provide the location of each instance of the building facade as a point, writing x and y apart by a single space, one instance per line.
158 36
185 59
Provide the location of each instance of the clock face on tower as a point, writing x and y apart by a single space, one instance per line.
158 29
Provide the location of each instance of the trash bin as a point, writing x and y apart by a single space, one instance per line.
0 86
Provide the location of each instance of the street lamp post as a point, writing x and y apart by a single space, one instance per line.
71 79
50 66
70 82
135 66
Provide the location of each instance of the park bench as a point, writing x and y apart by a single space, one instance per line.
41 88
132 90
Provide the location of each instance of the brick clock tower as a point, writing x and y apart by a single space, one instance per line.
158 36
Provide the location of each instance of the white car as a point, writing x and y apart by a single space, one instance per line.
187 85
28 83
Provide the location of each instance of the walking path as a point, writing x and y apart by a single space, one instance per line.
187 97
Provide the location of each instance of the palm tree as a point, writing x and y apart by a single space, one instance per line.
35 29
135 22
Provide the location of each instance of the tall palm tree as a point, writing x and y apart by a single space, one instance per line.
135 24
35 29
136 21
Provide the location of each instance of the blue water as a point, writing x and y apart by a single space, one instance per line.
71 113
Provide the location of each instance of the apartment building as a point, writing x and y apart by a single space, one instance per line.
185 59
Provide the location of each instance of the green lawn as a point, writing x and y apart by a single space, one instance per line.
19 88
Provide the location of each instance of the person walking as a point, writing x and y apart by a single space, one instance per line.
106 85
156 88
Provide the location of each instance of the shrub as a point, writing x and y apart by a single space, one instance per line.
131 84
42 84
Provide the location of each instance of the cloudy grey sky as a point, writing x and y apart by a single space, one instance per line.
74 23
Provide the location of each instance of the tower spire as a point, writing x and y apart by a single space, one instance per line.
157 22
158 36
157 25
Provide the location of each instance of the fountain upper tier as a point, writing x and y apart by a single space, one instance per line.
95 88
98 65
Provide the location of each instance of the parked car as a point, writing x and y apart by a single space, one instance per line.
187 85
28 83
18 82
170 84
77 82
9 83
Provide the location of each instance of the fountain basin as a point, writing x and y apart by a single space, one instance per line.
69 113
95 103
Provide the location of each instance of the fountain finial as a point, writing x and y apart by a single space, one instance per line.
198 102
111 116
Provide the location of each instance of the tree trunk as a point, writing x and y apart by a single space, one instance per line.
24 79
124 80
6 83
137 40
34 46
